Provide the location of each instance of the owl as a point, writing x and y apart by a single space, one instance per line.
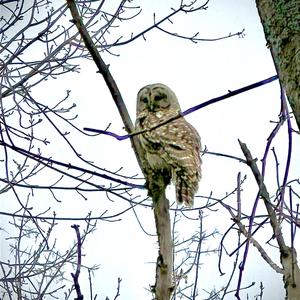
173 147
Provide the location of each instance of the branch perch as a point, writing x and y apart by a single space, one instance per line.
156 189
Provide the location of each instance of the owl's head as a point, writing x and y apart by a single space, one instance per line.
156 97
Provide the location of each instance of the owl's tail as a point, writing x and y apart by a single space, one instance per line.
185 191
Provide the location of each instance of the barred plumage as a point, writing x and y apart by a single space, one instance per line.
175 145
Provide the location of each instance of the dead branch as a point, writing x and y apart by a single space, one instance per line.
288 255
78 266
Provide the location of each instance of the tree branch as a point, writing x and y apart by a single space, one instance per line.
108 78
281 24
156 188
76 275
265 196
190 110
288 256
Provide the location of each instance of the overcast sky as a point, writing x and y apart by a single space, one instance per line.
196 73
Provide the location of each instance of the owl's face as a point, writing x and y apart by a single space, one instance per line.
156 97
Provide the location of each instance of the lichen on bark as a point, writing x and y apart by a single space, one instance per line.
281 23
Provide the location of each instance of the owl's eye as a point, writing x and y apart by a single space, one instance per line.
159 97
145 100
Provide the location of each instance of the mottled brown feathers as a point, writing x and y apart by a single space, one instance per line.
174 145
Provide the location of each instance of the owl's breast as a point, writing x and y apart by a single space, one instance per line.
159 114
156 162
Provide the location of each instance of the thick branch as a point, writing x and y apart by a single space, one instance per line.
109 80
281 23
163 285
265 196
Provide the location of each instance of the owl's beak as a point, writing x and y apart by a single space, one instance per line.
151 106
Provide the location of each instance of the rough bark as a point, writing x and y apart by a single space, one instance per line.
163 284
157 183
291 274
281 23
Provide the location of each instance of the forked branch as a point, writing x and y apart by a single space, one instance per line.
288 255
163 285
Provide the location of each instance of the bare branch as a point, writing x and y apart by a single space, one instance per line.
190 110
78 266
288 255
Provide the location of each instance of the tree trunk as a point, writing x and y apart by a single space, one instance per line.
291 276
157 183
281 23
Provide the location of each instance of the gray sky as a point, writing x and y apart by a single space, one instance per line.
196 73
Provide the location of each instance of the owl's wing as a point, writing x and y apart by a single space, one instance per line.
178 138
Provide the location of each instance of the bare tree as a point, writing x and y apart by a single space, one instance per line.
38 24
156 183
27 160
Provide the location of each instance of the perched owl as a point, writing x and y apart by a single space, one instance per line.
174 146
